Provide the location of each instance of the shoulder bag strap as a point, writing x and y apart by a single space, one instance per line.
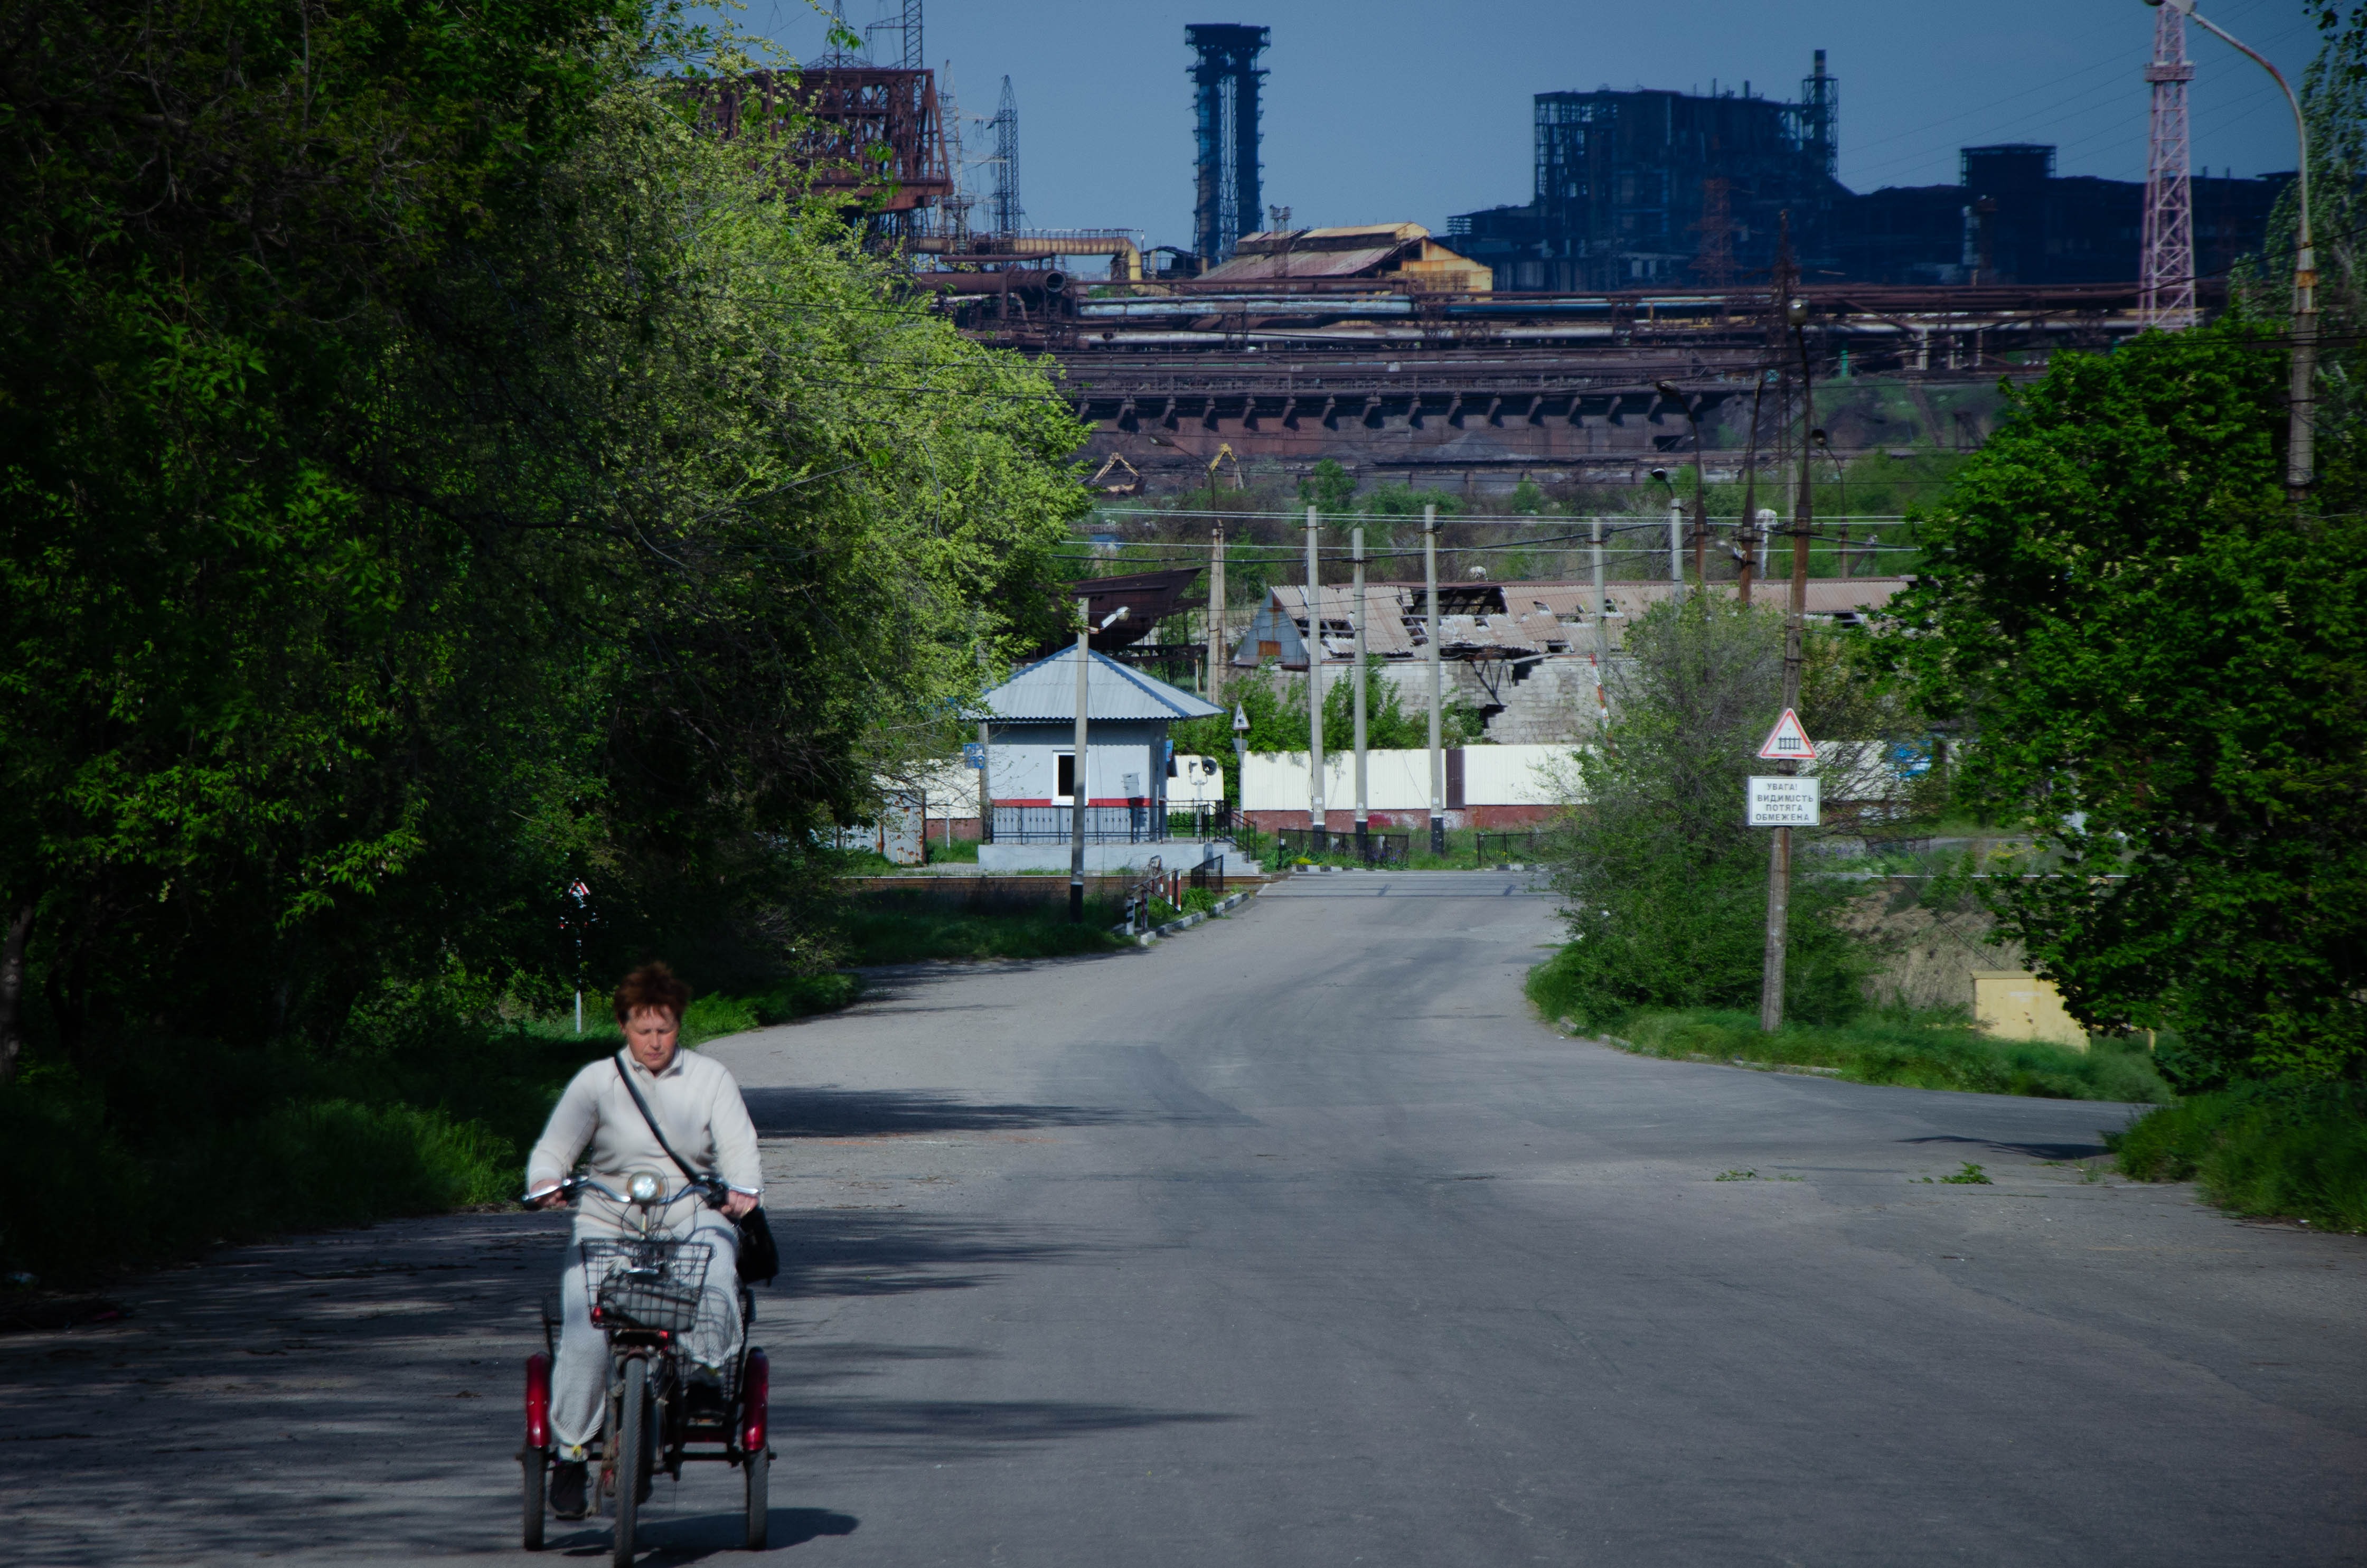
635 1090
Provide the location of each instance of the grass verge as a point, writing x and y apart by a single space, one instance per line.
2287 1149
195 1145
883 932
1911 1054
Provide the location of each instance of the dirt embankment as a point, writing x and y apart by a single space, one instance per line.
1930 950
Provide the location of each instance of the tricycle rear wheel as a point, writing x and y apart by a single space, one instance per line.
535 1465
758 1468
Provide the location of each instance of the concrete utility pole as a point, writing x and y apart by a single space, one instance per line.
985 783
1364 839
1077 772
2301 464
1215 687
1676 395
1314 684
1601 633
1778 859
1437 751
1676 539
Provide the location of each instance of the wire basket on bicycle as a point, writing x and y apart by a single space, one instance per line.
652 1284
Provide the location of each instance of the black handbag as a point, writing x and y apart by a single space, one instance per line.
760 1258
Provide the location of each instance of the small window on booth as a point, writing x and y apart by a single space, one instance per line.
1065 789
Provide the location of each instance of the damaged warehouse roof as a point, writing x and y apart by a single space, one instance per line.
1497 620
1369 250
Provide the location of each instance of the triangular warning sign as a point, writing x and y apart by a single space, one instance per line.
1788 740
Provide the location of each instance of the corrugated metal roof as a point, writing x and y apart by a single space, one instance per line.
1046 689
1516 620
1298 264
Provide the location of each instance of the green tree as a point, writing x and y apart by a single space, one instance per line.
2162 671
1665 889
1329 489
430 470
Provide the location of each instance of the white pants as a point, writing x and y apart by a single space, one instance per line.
579 1377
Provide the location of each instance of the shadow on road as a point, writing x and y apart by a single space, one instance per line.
950 1429
2035 1151
886 1113
875 1253
697 1536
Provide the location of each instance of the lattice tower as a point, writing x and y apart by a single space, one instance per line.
2167 269
1009 216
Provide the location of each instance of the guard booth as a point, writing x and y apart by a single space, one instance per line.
1033 775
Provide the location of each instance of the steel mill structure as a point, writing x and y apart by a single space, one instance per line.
2167 263
1587 336
1226 201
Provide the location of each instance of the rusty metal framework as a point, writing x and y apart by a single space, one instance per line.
867 136
2166 261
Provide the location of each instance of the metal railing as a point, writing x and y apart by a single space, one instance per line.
1380 848
1103 825
1505 846
1215 821
1210 874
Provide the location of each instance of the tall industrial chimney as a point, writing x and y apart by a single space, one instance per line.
1226 200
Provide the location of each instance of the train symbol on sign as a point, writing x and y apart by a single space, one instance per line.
1788 740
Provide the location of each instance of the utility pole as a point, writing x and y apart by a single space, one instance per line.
1314 684
1437 752
1077 773
985 765
1690 405
1778 859
1213 687
1601 631
985 783
2301 430
1364 839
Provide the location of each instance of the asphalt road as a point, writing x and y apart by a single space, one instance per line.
1296 1240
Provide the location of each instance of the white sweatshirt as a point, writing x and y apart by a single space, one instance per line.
695 1099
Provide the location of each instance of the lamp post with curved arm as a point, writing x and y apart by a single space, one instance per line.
2300 439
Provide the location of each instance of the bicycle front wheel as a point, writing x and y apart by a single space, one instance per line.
533 1462
632 1451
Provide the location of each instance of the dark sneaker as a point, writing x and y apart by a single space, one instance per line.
703 1404
567 1486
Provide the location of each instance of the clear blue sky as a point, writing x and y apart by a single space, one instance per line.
1386 110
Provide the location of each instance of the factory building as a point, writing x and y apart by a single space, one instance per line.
1649 190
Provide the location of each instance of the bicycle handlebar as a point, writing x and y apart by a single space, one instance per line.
711 1189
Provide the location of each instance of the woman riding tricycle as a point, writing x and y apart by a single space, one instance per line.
652 1364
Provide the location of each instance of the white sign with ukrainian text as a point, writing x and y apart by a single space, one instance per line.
1785 803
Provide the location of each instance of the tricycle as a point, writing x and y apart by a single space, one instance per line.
644 1291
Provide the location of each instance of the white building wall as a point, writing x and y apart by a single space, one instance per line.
1024 761
1399 781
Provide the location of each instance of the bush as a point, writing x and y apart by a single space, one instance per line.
1664 888
905 933
2282 1147
1901 1050
188 1145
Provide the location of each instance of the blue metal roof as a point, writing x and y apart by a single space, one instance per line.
1047 690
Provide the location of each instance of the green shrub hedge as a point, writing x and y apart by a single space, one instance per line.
2284 1148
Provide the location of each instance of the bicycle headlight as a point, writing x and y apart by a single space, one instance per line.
643 1187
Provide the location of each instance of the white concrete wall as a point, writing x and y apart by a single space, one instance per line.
1399 781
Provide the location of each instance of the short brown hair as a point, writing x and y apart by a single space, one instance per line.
651 986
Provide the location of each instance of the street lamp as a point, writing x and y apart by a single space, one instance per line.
1676 531
1701 507
1824 444
2300 437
